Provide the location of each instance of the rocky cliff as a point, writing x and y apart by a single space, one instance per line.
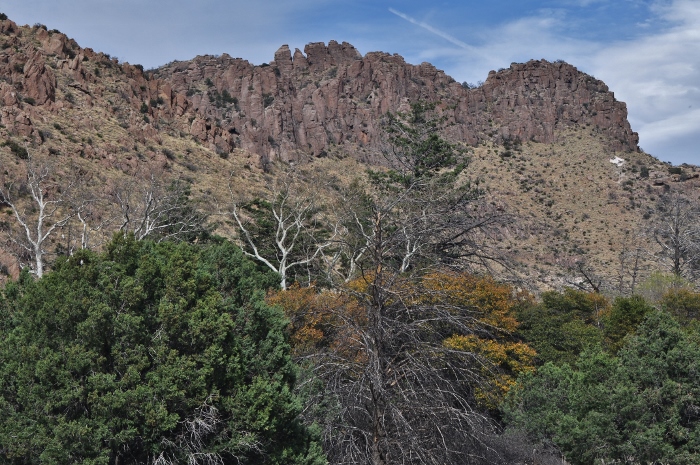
300 104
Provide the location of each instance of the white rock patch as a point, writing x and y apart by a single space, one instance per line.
617 161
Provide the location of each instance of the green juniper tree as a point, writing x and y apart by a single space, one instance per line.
642 406
149 353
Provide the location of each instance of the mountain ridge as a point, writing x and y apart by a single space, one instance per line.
352 92
298 105
541 135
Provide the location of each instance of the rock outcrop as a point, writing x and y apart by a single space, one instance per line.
300 104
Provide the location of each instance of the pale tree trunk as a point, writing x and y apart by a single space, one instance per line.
33 220
293 212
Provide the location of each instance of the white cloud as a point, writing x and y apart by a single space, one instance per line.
658 76
657 73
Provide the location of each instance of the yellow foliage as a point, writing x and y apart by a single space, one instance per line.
493 305
335 320
508 359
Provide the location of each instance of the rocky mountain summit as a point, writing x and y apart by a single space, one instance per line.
549 143
299 104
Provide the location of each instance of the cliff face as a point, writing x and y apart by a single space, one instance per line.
299 104
215 121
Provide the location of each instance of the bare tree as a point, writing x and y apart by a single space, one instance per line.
92 216
632 265
284 230
39 216
151 206
190 445
677 233
398 394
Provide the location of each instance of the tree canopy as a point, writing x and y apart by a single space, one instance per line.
148 353
640 407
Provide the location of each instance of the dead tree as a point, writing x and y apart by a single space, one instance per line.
631 262
39 216
398 394
677 234
150 206
283 229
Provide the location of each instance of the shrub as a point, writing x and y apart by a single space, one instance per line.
17 149
267 100
148 353
226 97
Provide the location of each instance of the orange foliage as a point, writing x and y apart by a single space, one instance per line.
335 320
493 305
320 319
306 319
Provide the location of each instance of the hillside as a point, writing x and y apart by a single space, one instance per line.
541 136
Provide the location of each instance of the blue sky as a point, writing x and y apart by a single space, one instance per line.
647 51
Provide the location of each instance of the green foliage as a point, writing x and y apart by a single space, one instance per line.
642 407
563 324
658 284
682 303
18 150
625 315
418 152
221 99
267 100
148 352
423 207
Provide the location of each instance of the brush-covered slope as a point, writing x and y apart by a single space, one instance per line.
541 134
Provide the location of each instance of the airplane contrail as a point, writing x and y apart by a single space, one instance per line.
430 28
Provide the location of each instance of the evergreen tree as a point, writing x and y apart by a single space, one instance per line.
641 407
148 353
